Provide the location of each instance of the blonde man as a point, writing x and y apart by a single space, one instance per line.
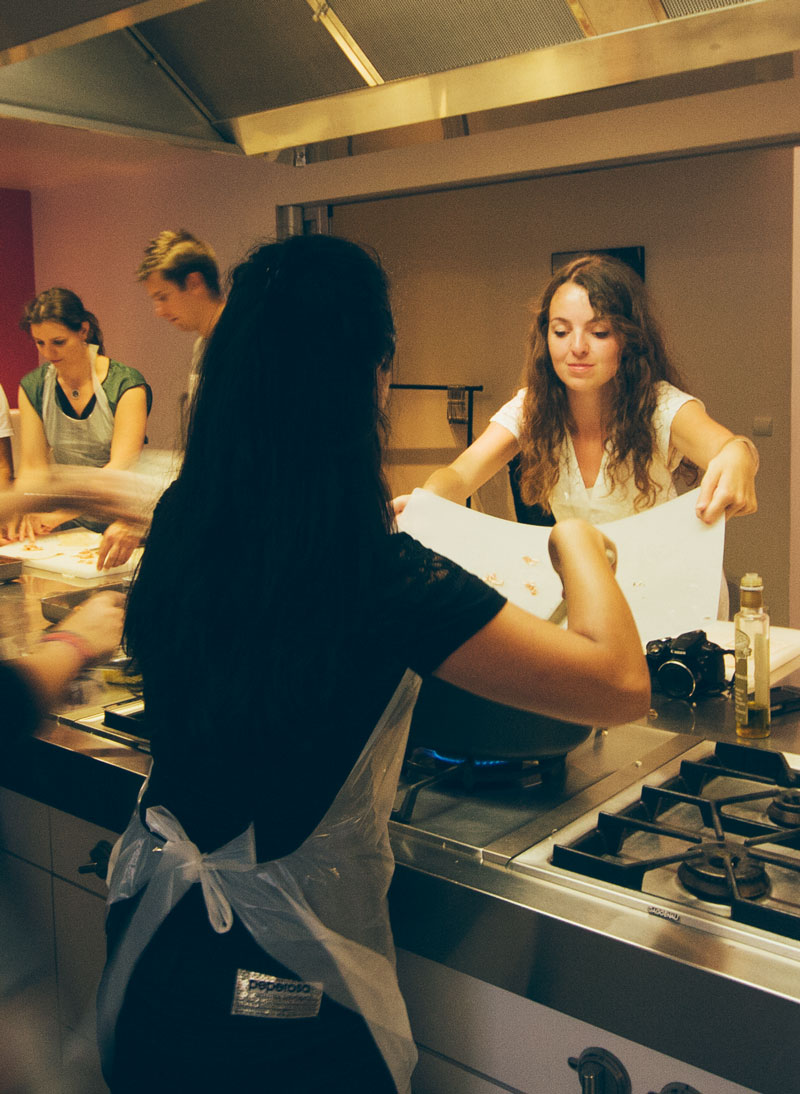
181 276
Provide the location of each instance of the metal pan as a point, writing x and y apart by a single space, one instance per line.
460 725
10 568
56 606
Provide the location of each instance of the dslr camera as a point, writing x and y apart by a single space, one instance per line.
688 666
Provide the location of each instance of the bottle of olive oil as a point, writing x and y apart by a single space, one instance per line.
751 647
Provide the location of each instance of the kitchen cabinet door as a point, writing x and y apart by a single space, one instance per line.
52 919
79 917
471 1033
28 990
25 828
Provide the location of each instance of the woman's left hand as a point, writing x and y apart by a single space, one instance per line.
117 545
728 486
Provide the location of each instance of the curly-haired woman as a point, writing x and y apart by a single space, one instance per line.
603 423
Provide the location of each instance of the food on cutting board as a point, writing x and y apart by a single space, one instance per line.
72 553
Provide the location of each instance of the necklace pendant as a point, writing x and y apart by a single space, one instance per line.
75 394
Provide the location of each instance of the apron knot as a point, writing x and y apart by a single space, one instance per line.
179 854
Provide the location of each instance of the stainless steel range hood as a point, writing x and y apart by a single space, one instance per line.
305 80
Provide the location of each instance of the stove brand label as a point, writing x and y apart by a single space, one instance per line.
261 996
663 913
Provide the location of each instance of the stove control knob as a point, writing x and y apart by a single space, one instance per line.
677 1088
600 1072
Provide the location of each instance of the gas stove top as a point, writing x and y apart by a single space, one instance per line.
699 834
711 841
722 835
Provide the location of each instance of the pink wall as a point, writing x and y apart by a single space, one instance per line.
17 354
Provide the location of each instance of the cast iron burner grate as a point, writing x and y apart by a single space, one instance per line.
722 870
425 768
785 810
713 864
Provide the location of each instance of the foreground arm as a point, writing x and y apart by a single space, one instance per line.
730 463
96 491
90 633
468 472
593 672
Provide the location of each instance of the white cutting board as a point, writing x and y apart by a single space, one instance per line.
69 554
669 565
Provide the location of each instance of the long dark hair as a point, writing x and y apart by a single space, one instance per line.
257 569
62 306
616 293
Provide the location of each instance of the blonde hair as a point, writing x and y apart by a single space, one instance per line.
175 255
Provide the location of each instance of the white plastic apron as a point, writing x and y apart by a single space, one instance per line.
320 911
83 441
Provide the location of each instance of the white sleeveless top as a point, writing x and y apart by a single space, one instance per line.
599 503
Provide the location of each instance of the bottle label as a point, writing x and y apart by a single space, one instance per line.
740 684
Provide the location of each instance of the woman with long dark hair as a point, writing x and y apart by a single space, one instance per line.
278 693
602 424
78 407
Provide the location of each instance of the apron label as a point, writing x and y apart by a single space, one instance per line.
261 996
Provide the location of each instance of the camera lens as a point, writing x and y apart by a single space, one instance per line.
676 680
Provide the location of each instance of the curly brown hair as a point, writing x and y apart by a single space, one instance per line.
617 294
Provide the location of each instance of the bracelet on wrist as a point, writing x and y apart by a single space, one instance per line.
749 445
82 645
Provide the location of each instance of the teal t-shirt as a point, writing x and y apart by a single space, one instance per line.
120 379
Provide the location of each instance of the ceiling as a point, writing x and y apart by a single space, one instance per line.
305 80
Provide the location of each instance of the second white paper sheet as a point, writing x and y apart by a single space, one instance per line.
669 565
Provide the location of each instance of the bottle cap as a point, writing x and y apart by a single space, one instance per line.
751 591
751 581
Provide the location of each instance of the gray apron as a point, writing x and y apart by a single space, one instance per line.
82 441
320 911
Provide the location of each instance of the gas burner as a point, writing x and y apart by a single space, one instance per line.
425 768
722 871
785 810
471 773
